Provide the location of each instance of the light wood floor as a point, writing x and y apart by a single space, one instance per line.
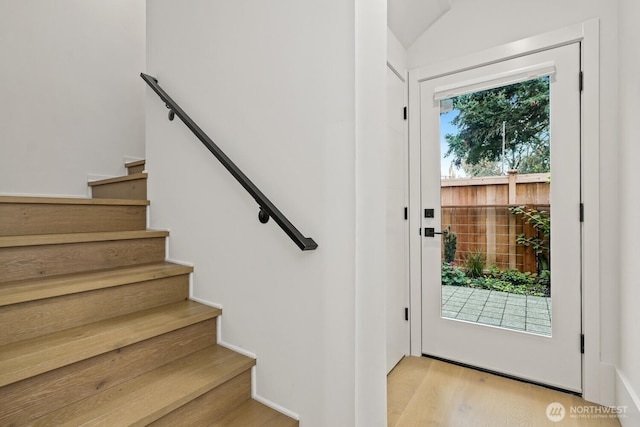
425 392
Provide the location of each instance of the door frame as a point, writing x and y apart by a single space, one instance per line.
402 74
594 373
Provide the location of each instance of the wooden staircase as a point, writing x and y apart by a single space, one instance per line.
96 328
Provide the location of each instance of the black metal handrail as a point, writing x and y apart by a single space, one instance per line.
267 208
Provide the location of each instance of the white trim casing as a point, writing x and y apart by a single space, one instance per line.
592 387
491 82
415 264
588 35
402 75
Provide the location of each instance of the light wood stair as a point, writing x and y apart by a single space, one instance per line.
131 186
126 187
96 328
42 215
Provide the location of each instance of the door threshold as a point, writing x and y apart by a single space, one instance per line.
500 374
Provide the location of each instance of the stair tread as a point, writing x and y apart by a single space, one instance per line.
124 178
55 239
34 356
254 414
36 289
72 201
134 163
150 396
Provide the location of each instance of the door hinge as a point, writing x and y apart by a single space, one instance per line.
406 313
406 213
581 212
581 81
404 113
581 343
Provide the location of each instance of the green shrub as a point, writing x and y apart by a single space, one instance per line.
517 278
474 264
453 276
450 240
495 272
511 281
502 285
544 278
541 222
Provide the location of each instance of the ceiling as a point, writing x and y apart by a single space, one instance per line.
407 19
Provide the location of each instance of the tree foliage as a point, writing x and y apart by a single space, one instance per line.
524 107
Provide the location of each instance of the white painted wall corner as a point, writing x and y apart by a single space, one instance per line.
627 397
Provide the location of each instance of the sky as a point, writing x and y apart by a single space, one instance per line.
445 128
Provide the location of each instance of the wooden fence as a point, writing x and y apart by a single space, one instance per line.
477 209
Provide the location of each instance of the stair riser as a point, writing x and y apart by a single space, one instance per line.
31 219
32 319
131 190
210 406
31 398
131 170
28 262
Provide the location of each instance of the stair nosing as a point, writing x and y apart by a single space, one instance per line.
65 238
71 201
135 163
28 358
55 286
124 178
207 369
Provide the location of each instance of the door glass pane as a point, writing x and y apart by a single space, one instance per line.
495 218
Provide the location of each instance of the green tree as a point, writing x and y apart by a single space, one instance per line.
523 107
482 168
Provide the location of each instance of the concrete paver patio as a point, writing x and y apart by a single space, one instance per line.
512 311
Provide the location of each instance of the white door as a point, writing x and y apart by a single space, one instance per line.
397 237
474 312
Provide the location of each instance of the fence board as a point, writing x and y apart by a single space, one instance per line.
477 209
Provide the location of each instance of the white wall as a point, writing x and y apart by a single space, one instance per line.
629 95
471 26
371 212
72 101
274 84
396 53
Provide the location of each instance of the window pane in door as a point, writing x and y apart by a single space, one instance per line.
495 187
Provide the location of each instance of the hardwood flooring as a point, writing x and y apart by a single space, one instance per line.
426 392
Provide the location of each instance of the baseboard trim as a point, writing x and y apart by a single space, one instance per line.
627 396
176 261
255 396
205 302
244 352
131 159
